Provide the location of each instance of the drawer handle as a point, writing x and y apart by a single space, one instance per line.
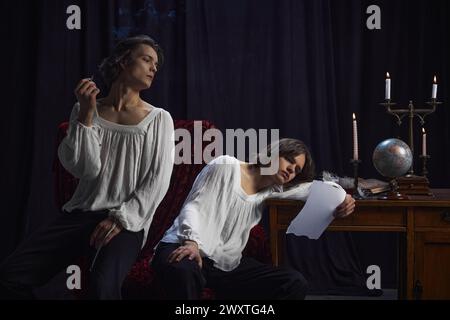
446 216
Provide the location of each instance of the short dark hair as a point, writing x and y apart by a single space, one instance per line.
110 67
290 149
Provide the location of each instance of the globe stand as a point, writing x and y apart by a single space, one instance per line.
356 195
394 194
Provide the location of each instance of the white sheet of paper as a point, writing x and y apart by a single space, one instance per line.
317 213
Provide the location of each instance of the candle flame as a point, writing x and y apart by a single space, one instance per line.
387 75
354 117
423 130
434 79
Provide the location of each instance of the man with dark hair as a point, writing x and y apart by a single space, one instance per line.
205 243
111 67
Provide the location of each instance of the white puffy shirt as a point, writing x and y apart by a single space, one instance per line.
125 169
218 214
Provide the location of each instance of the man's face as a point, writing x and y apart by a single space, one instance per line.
289 170
140 70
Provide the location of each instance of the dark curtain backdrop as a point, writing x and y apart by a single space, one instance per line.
302 66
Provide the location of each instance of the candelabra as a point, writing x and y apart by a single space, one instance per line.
411 184
411 112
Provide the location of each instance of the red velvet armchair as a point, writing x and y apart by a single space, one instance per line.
141 282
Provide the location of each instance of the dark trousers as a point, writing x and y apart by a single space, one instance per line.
58 245
250 280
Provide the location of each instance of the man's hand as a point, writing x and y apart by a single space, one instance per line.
188 249
86 93
345 208
102 229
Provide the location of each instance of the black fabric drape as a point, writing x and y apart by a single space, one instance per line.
302 66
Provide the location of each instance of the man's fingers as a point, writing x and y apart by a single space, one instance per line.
94 235
85 86
345 205
91 89
113 233
96 92
197 258
174 255
182 252
347 208
81 83
346 214
89 92
347 211
338 212
102 230
344 208
171 256
180 256
85 91
100 236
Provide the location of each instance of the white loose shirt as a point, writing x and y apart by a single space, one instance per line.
125 169
218 215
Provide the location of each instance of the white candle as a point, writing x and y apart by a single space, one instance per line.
387 95
424 142
355 138
434 91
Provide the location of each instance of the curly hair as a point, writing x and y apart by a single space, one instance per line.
110 67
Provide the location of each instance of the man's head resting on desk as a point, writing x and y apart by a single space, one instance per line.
295 163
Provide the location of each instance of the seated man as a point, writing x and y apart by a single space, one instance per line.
121 149
205 243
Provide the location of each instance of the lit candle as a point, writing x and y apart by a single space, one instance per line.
388 87
434 91
424 142
355 139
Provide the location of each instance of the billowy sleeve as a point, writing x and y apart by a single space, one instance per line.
300 192
79 151
197 218
140 208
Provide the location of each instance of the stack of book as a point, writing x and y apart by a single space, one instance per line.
414 185
366 187
371 187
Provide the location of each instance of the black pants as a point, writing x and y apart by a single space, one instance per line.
250 280
58 245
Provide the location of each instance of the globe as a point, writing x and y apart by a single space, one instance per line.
392 158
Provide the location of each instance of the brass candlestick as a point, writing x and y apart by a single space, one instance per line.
411 112
424 158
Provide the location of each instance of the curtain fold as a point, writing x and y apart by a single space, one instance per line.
302 66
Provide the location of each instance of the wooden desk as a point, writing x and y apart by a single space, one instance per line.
424 246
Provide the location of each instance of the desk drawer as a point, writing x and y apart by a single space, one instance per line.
432 217
363 216
286 214
379 216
